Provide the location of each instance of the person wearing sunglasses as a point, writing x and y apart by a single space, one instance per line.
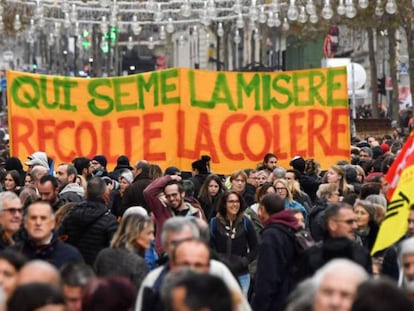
340 241
10 217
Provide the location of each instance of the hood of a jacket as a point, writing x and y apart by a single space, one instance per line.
73 187
284 217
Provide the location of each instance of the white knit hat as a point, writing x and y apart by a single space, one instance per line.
127 175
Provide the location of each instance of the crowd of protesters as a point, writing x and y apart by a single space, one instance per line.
77 236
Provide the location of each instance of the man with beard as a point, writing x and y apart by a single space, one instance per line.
269 163
69 190
49 192
83 167
170 204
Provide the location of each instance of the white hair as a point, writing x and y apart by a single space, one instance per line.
339 265
135 210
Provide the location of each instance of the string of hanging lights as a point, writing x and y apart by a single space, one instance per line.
171 14
154 22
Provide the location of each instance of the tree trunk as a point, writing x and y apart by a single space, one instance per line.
373 66
392 43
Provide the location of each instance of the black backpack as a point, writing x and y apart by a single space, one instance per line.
302 240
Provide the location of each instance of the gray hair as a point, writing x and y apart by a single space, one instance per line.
406 247
7 195
37 172
339 264
279 172
368 150
377 199
46 203
302 296
326 190
176 225
135 210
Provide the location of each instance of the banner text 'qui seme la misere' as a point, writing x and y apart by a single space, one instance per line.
173 116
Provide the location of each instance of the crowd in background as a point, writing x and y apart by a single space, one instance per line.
80 237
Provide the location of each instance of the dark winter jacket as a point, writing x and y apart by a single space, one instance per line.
236 244
198 181
310 184
121 261
276 254
318 255
56 252
369 235
89 226
209 205
249 194
115 203
134 194
317 226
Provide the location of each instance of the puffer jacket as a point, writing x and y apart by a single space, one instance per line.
89 226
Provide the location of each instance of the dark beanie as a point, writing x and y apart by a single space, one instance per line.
376 152
123 162
298 163
101 159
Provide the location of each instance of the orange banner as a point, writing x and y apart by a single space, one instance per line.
171 117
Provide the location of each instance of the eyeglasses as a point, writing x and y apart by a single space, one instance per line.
13 210
347 221
281 189
233 201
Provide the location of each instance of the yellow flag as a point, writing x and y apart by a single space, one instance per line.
395 224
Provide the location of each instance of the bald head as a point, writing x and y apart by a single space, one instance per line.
39 271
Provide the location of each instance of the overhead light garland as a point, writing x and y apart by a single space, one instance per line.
153 22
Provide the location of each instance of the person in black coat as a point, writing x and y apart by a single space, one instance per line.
40 241
339 242
277 253
134 194
89 226
326 194
233 237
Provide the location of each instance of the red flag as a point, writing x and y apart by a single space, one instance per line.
404 159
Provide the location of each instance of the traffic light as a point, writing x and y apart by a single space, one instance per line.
34 65
381 86
86 39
